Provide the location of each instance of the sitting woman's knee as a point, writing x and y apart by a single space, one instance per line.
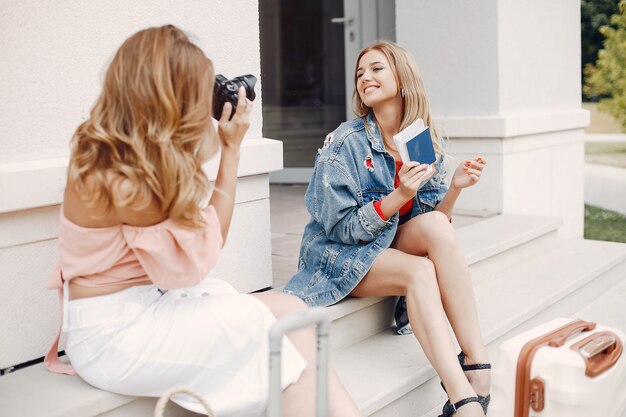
279 303
439 216
291 304
295 303
420 273
440 227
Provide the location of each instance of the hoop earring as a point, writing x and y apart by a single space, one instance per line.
402 92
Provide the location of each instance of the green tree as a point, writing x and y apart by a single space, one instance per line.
593 15
608 76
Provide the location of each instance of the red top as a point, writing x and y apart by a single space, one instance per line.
406 208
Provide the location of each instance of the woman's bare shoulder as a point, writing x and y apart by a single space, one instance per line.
79 208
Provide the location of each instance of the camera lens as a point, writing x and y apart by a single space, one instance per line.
248 81
226 90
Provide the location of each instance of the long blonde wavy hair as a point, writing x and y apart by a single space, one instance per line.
415 102
151 126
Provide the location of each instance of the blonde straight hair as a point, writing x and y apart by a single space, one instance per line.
415 102
150 127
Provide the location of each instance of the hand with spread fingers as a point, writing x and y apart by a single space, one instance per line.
468 172
232 131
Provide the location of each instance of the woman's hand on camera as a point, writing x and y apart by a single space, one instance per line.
412 175
468 172
232 131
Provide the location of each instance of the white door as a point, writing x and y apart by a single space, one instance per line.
308 53
364 22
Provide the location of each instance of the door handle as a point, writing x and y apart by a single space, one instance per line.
342 20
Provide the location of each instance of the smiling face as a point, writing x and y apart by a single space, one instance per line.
375 81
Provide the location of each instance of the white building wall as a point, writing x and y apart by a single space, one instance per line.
455 46
53 58
54 55
539 56
503 78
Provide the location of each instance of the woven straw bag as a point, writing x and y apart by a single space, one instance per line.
164 399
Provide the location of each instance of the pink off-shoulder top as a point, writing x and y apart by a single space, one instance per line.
165 254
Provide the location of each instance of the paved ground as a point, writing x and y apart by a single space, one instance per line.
605 186
605 137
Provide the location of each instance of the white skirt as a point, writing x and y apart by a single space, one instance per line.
209 337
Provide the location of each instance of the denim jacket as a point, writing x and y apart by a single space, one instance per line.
345 233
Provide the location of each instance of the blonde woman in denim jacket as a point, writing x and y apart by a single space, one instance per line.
358 244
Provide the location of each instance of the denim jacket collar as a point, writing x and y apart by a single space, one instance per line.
373 135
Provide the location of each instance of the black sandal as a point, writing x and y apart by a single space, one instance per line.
449 409
401 317
484 401
472 367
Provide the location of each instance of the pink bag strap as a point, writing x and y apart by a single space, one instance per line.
51 360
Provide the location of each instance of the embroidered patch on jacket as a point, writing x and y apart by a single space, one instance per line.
368 163
328 140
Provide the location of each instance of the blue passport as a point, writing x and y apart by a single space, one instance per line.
420 148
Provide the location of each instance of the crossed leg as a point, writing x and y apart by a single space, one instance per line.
299 398
432 234
435 287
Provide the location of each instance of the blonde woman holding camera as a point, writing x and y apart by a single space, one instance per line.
135 245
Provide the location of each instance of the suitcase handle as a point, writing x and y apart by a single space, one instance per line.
558 337
600 352
298 320
555 338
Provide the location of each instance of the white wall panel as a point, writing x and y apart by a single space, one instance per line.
539 55
54 54
455 46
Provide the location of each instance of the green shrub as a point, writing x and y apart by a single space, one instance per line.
603 224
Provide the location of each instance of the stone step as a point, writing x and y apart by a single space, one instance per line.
389 376
607 293
67 396
489 245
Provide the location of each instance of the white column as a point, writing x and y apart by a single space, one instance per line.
503 78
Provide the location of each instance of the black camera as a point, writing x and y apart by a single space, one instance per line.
227 90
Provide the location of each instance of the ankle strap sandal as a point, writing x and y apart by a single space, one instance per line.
472 367
484 401
450 408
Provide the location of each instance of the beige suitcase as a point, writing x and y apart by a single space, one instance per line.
563 368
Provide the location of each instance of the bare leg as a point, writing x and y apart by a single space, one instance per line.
299 398
432 234
397 273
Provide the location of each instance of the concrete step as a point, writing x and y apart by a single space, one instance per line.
603 301
356 322
608 308
489 245
506 240
389 376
